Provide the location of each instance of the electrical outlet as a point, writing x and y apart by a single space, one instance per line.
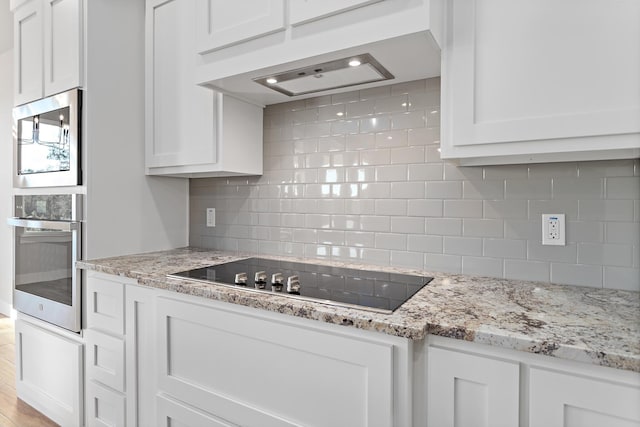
553 229
211 217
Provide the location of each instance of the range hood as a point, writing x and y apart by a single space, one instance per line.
391 61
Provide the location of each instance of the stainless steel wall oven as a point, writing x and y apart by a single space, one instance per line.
47 234
46 135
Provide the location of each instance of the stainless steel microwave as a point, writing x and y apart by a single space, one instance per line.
46 141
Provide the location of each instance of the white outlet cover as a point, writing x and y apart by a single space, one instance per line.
211 217
553 229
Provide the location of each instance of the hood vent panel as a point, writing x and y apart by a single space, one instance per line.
340 73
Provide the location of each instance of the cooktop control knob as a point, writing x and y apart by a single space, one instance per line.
293 285
277 284
260 279
241 279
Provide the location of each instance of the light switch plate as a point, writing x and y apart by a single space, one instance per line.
553 229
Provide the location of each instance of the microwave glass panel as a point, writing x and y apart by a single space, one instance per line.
43 143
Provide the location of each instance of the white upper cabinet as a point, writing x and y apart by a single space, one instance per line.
63 45
47 48
301 11
220 25
540 80
238 42
191 131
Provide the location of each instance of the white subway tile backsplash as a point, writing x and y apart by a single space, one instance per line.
375 124
483 190
359 239
360 109
505 248
605 168
424 208
463 208
605 254
393 104
408 120
527 270
444 190
482 266
391 173
424 243
474 227
462 246
391 241
411 225
408 156
425 172
444 226
407 190
392 138
391 207
623 232
357 176
375 157
605 210
623 188
576 274
443 262
622 278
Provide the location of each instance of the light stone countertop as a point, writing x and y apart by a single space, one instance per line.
592 325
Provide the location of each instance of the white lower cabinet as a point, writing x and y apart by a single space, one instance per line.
559 399
470 384
249 369
49 370
467 390
189 361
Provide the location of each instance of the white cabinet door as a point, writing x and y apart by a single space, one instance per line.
62 45
534 78
561 400
248 370
466 390
222 23
301 11
180 116
27 42
49 372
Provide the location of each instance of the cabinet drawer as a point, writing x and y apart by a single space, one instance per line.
105 305
172 413
105 408
248 369
105 359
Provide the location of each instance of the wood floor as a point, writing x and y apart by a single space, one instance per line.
14 412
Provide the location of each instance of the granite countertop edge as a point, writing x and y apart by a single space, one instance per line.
591 325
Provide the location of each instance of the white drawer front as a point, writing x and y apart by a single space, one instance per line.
105 359
105 305
105 408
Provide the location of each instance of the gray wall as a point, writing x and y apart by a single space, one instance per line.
358 177
6 183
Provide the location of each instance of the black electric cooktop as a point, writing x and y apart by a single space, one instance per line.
348 287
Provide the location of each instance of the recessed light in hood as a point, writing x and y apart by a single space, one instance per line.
340 73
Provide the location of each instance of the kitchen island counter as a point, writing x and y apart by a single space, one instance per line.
591 325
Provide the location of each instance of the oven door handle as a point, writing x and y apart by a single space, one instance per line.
50 225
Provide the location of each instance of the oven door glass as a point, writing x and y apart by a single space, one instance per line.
44 143
46 282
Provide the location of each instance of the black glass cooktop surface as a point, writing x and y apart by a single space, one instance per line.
364 289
